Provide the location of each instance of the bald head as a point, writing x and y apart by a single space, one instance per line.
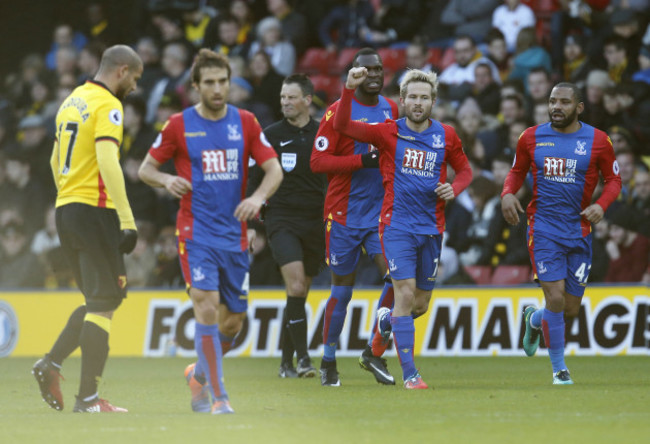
120 69
118 56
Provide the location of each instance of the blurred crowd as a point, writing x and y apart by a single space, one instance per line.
496 61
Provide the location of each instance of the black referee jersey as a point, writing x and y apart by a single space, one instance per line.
302 193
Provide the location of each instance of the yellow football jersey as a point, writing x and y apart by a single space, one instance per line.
90 114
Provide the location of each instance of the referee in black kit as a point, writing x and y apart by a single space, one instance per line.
294 218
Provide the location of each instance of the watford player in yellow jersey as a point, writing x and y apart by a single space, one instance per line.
94 222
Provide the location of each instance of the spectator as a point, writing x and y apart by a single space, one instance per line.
458 77
497 52
626 163
64 36
196 18
484 194
625 24
36 146
23 191
141 262
539 85
529 55
510 18
486 90
167 271
100 28
226 37
600 259
293 25
149 53
345 23
628 250
175 65
540 113
393 21
241 95
88 61
19 267
622 139
417 57
643 74
138 135
594 113
270 40
469 122
641 200
577 65
469 17
266 82
616 55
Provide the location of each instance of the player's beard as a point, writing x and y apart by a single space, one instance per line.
207 104
423 117
568 119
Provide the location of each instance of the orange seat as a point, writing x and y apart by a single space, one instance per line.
511 274
330 85
481 274
316 61
393 59
343 60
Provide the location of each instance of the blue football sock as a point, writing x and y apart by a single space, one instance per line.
386 299
208 349
536 318
335 311
553 327
404 337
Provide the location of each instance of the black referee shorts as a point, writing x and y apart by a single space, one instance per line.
90 238
297 239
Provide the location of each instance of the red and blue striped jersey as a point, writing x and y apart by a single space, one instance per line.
412 164
565 171
353 193
213 156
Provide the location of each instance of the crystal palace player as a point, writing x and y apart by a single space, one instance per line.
564 156
414 155
211 144
351 211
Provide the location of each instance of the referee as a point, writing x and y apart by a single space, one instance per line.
94 221
293 218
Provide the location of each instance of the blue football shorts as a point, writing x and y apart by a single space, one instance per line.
212 269
344 244
554 259
410 255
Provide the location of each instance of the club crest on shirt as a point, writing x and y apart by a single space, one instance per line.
387 114
580 148
289 161
233 132
437 141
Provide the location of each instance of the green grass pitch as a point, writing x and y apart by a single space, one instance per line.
475 400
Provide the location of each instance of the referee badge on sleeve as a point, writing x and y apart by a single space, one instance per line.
289 161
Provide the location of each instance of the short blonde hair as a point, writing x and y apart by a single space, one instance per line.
416 75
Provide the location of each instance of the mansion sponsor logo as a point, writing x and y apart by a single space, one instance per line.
220 164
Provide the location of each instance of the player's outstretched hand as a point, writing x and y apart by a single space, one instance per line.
248 208
128 241
445 191
593 213
511 207
356 76
178 186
